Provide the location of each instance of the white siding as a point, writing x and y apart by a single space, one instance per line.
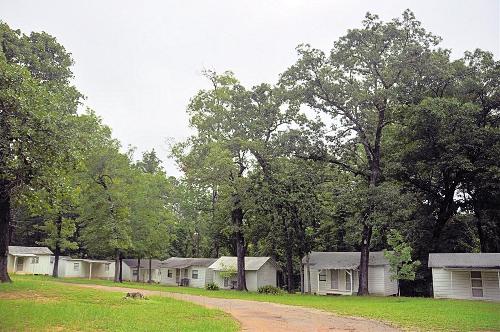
266 275
209 275
457 284
165 279
391 287
28 267
200 282
376 281
251 280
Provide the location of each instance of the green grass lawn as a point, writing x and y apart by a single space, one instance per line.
40 304
413 313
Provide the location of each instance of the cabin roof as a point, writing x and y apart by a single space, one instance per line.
465 260
342 260
19 251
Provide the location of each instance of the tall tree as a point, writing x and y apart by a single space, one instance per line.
365 79
105 209
37 105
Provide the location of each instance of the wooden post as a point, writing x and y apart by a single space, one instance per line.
90 270
350 275
15 265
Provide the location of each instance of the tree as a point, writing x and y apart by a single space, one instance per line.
150 217
368 75
105 209
56 203
37 106
402 267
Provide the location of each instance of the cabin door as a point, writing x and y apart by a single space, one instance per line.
177 275
20 264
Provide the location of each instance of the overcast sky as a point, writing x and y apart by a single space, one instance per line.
139 62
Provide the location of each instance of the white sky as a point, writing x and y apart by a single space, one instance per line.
139 62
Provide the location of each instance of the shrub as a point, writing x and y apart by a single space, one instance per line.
211 286
270 290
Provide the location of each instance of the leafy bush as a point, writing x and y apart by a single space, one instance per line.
212 286
270 290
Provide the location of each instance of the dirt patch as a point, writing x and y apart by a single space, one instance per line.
27 295
265 316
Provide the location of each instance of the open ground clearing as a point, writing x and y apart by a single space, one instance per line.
38 304
409 313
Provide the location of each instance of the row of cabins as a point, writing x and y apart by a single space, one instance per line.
175 271
454 275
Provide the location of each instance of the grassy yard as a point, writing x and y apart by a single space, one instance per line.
39 304
413 313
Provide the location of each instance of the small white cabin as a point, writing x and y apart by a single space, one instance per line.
466 275
259 271
85 268
30 260
193 272
337 273
129 270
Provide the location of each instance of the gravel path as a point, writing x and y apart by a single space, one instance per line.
265 316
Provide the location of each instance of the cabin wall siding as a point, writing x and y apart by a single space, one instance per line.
458 286
44 266
378 282
390 286
266 275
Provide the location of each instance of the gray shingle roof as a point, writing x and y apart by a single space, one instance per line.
251 263
132 263
18 250
185 262
343 260
465 260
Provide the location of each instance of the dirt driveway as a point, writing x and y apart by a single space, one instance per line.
264 316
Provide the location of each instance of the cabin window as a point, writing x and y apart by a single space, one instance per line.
476 282
169 273
322 275
194 274
76 266
34 260
134 272
335 279
226 282
106 267
51 259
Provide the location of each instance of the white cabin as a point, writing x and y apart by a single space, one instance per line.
85 268
193 272
30 260
259 271
338 273
466 275
129 270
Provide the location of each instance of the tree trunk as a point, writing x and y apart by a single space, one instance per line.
117 266
289 267
138 278
57 249
4 232
240 253
364 260
150 271
237 220
308 267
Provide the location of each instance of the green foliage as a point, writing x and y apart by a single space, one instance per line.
402 267
227 271
271 290
212 286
